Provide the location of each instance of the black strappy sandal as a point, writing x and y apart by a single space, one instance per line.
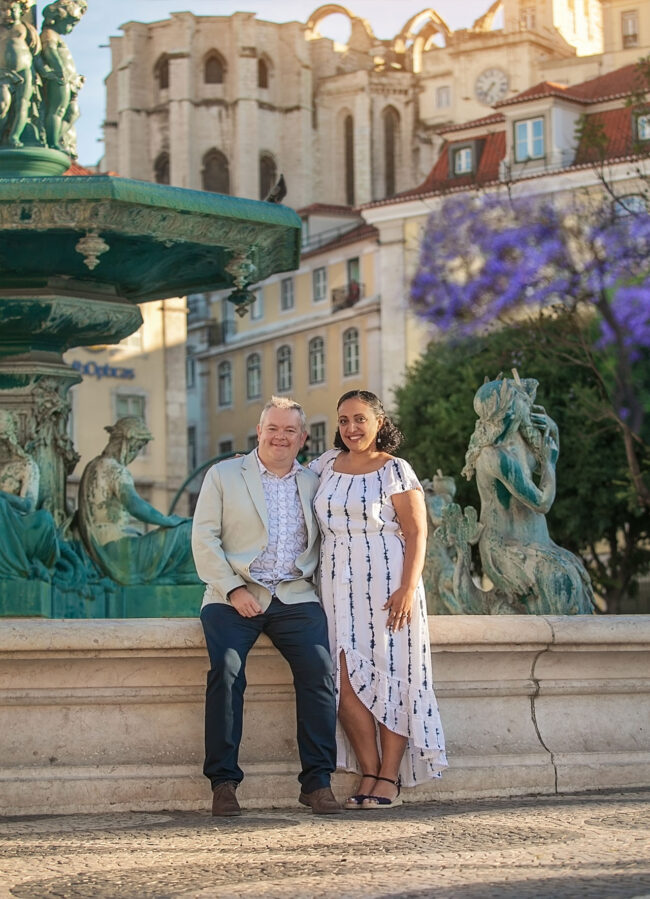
355 802
373 802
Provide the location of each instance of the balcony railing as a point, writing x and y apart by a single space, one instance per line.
219 332
344 297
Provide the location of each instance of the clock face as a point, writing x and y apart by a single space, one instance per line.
491 86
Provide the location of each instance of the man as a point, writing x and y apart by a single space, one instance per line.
255 543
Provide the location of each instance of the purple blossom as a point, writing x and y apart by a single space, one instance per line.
484 257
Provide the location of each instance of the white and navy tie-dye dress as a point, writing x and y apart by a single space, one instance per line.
362 555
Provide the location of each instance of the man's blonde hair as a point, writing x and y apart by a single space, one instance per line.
284 402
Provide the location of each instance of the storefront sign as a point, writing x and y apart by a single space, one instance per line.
93 370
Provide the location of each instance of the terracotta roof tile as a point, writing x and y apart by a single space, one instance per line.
494 119
76 169
359 233
616 128
619 83
327 209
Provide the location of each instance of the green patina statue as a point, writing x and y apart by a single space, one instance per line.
19 44
29 547
513 452
108 503
39 83
61 82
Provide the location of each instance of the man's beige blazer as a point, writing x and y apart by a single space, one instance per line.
230 530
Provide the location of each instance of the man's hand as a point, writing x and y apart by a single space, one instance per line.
243 601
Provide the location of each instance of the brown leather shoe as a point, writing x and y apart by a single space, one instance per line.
321 802
224 800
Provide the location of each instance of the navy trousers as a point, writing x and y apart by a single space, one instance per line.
299 631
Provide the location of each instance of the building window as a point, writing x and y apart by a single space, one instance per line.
527 18
226 447
316 360
161 73
268 174
216 174
191 448
353 270
262 73
213 69
253 376
251 442
643 127
161 168
284 366
391 136
224 376
286 294
130 404
463 161
319 279
190 372
443 96
348 154
529 139
317 438
350 352
257 308
630 28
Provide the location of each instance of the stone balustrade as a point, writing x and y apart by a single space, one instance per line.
108 715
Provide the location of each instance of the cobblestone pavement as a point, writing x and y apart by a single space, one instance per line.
595 845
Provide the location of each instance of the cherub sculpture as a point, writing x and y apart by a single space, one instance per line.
19 44
61 82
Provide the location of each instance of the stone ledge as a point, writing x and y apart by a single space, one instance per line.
108 715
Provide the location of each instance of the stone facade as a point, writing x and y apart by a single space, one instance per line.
215 101
108 716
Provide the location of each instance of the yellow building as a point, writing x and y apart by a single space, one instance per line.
143 375
312 334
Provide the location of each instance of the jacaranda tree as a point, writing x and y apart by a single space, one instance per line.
489 258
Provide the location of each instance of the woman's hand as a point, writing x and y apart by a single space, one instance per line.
399 608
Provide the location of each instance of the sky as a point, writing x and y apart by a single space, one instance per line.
88 42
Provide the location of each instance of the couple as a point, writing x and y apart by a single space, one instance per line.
256 545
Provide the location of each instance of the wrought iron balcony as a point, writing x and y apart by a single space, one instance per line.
348 295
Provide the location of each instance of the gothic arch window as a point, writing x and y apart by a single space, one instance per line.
348 156
161 72
262 73
268 174
161 168
216 174
391 135
214 68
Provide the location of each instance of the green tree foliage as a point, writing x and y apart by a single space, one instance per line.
595 513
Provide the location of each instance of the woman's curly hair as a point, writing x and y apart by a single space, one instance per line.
389 437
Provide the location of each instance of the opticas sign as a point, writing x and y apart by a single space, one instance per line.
92 370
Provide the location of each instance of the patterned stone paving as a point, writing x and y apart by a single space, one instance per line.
595 845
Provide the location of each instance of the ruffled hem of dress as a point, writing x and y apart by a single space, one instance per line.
408 711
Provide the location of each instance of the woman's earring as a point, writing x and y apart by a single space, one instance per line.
378 440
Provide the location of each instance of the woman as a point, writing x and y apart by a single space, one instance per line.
372 516
514 440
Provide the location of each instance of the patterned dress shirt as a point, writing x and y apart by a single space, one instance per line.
287 529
